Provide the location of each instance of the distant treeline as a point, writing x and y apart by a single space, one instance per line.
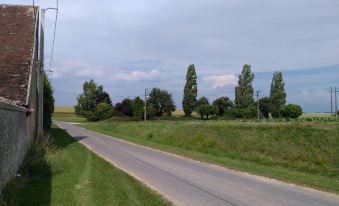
95 104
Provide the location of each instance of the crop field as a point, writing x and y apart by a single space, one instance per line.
64 109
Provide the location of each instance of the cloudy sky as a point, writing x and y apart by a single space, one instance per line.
135 44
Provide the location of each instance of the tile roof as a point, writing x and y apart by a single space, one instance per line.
17 33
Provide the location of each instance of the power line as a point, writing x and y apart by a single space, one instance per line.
54 34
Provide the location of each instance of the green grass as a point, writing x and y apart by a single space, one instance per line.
302 153
64 172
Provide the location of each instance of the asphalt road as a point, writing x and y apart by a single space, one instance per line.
188 182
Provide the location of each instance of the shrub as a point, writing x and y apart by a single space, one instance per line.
48 106
291 111
206 110
102 111
246 113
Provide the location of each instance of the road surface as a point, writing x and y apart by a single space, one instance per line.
188 182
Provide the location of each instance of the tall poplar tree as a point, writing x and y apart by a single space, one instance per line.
277 94
244 91
190 91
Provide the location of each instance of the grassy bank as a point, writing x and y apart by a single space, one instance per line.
61 171
303 153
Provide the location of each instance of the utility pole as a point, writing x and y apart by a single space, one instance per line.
145 105
335 101
258 108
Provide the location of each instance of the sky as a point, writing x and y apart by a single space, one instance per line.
130 45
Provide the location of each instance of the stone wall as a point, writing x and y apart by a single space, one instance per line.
15 138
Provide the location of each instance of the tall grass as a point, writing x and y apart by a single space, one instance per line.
307 148
37 164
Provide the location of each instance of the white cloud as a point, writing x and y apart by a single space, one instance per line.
137 75
217 81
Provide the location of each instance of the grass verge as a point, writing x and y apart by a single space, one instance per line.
61 171
302 153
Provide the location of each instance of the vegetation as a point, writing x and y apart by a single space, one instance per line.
160 102
291 111
67 117
138 108
92 96
61 171
277 94
48 106
265 106
244 90
190 91
202 101
102 111
205 111
303 153
223 104
125 107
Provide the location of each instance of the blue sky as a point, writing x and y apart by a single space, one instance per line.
135 44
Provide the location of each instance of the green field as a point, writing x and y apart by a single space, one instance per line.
302 153
299 152
64 172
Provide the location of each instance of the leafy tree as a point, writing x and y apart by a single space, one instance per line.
92 96
223 104
277 94
48 104
206 110
291 111
190 91
244 90
265 106
102 111
161 101
138 108
125 107
202 101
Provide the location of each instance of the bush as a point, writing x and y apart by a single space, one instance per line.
206 110
292 111
48 107
246 113
102 111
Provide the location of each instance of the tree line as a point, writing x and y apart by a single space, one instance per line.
95 104
244 105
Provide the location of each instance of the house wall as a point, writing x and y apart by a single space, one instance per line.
17 127
15 139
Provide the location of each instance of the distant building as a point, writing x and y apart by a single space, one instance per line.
21 85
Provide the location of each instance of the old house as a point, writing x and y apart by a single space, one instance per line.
21 85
